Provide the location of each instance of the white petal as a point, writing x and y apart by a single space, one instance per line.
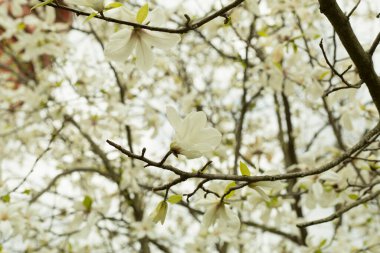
210 216
173 117
190 153
193 123
210 136
122 13
161 40
233 223
97 5
275 185
317 189
120 46
156 17
144 55
261 192
330 176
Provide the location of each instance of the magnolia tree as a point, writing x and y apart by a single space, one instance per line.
189 126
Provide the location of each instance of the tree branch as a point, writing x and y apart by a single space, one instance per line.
65 173
369 137
340 212
359 56
188 27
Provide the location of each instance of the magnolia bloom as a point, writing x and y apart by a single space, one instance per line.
267 185
124 42
192 138
221 216
159 213
264 187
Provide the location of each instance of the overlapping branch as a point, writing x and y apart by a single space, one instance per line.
367 139
340 212
189 25
361 58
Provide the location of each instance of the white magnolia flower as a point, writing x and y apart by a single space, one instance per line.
264 187
124 42
221 217
97 5
144 228
192 138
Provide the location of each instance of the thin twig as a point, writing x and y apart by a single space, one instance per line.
188 27
340 212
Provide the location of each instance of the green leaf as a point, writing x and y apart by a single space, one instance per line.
295 47
322 243
41 4
244 169
26 191
174 199
142 13
6 198
272 203
91 16
21 26
263 32
87 203
278 65
228 21
112 6
353 196
228 187
69 247
323 75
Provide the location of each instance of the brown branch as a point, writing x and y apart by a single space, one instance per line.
245 104
341 76
188 27
95 148
369 137
353 9
375 43
274 230
39 157
65 173
358 55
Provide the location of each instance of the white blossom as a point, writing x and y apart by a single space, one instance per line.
124 42
221 217
97 5
192 138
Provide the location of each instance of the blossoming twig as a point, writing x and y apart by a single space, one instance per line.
188 27
368 138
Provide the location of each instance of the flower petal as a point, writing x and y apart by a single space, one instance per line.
144 55
210 136
261 192
173 117
161 40
210 216
233 221
121 45
156 17
191 153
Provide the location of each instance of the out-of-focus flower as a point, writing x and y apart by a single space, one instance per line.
159 213
221 216
275 186
192 138
124 42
